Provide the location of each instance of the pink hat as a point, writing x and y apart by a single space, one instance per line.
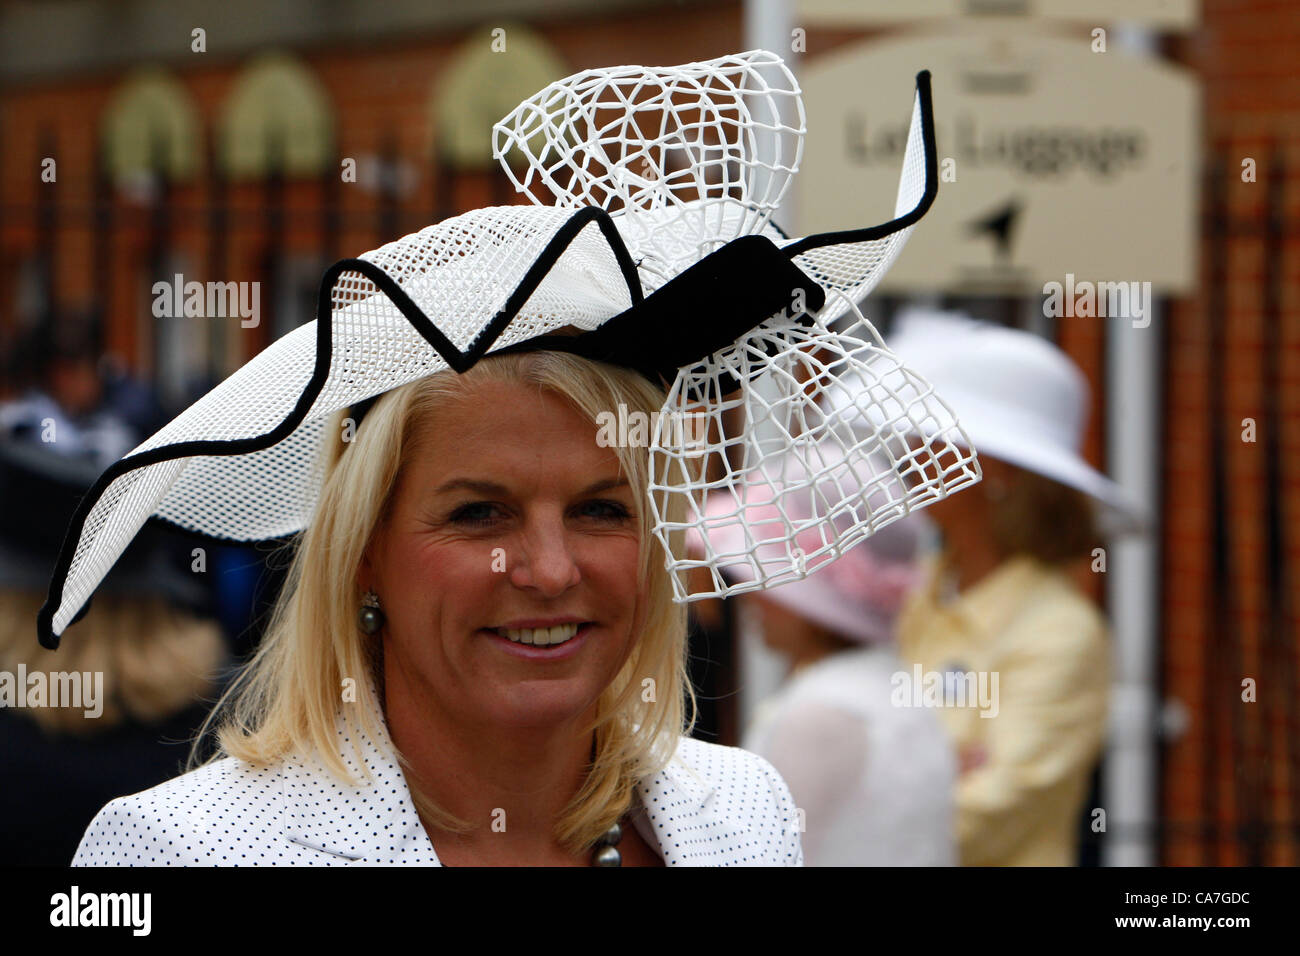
856 594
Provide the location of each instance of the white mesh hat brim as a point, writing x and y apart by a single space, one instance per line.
812 462
243 463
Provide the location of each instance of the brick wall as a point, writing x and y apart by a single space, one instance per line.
380 95
1245 54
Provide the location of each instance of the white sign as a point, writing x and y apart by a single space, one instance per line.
1169 14
1053 160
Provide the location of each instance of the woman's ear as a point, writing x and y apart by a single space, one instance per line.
366 573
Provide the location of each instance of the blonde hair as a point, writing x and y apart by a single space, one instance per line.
156 659
287 698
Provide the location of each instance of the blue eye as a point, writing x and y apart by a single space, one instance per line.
610 510
473 514
480 513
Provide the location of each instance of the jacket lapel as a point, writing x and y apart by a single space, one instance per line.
684 817
376 823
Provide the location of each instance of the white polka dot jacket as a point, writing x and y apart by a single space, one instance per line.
710 806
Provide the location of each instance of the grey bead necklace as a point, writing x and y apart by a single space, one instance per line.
606 851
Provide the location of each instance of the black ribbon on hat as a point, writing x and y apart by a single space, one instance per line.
706 307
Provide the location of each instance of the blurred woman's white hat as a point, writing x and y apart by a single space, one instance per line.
1018 397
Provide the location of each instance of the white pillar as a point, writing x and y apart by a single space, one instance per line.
1133 587
1133 412
767 27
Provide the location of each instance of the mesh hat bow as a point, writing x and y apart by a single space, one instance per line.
650 234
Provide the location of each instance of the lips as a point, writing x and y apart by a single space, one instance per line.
569 645
541 636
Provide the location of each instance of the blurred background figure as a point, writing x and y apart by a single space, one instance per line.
873 780
64 405
148 653
999 599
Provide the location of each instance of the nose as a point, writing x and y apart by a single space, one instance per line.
544 561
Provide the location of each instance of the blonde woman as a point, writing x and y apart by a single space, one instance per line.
479 654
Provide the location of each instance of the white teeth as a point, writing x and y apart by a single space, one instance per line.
543 636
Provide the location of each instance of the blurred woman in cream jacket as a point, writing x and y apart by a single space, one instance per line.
1000 601
1026 761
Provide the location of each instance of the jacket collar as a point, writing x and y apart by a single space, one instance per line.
984 608
676 802
323 813
373 822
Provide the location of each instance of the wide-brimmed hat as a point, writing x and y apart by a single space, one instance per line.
650 234
1019 397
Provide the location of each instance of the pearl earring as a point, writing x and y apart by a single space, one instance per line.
371 618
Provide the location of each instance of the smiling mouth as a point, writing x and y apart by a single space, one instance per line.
541 636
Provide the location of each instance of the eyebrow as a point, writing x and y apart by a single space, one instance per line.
492 488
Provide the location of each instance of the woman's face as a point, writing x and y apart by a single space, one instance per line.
789 633
968 512
507 515
782 630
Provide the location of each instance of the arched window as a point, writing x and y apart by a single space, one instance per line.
277 118
492 71
151 125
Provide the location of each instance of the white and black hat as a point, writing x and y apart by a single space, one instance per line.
653 190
